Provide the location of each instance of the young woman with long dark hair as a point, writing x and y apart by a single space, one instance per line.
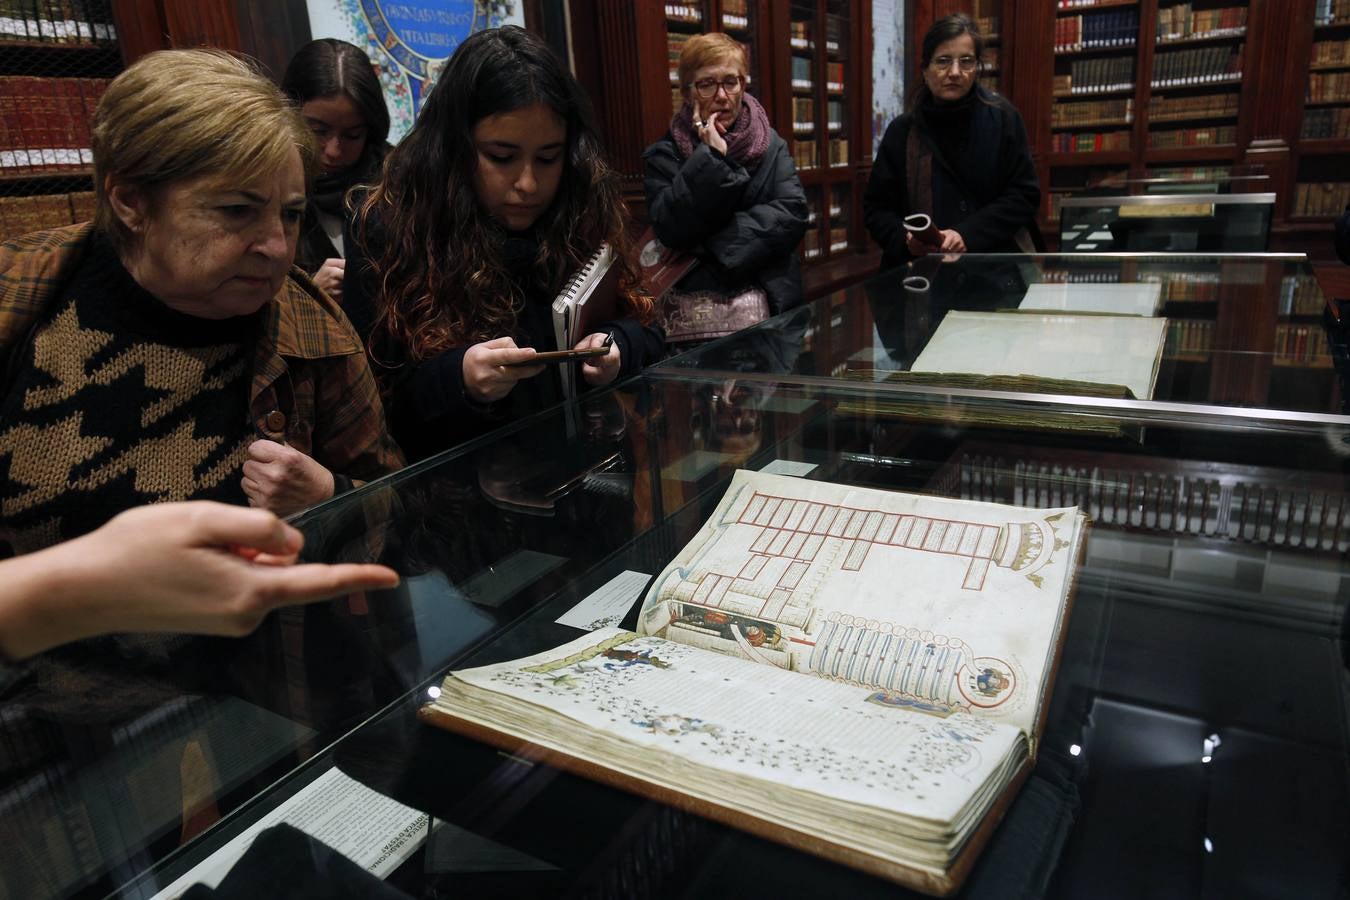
495 198
340 98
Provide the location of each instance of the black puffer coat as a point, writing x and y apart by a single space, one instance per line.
744 226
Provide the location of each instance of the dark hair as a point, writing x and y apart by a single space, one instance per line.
943 30
328 68
440 276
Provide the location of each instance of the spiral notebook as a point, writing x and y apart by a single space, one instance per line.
587 301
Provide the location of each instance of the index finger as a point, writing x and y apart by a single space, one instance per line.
308 583
336 262
508 356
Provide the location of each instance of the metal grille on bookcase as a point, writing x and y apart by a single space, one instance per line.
1237 503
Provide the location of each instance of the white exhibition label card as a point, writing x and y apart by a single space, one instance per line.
374 831
788 467
606 606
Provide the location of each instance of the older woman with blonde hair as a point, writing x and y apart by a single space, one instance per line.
721 184
168 351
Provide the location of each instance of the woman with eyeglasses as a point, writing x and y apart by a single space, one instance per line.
721 184
960 155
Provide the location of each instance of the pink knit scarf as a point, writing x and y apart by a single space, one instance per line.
747 139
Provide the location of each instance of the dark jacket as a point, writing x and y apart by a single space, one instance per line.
425 401
329 193
744 226
1343 236
987 190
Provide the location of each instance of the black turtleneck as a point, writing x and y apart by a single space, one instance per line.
948 126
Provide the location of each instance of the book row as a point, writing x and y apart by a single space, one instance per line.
1326 123
1188 337
44 122
804 154
1193 137
1184 291
1261 506
736 14
838 152
687 13
1331 12
1328 87
837 241
1331 53
1114 28
1092 113
1078 276
22 215
1089 142
1321 198
1092 75
1205 106
1185 287
1304 345
803 115
835 114
1182 22
801 73
57 21
1300 295
1203 65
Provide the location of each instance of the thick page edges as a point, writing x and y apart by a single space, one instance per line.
917 879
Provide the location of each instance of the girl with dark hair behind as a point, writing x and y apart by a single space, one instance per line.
495 198
960 155
340 98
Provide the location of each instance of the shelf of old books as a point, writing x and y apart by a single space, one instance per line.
820 59
1093 81
55 62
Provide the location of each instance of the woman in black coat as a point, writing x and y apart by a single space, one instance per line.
722 185
960 155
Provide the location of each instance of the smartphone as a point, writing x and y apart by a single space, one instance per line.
553 356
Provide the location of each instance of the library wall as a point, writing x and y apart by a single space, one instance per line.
1157 88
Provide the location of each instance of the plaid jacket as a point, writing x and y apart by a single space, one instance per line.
312 387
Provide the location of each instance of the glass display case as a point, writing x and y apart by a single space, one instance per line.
1203 222
1197 734
1183 180
1237 330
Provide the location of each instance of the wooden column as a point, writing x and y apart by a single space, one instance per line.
1245 329
1278 38
619 52
1029 57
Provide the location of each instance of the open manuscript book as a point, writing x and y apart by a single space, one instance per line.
857 673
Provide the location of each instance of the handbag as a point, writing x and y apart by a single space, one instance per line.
704 315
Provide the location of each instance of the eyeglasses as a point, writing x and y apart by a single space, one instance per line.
943 63
707 88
